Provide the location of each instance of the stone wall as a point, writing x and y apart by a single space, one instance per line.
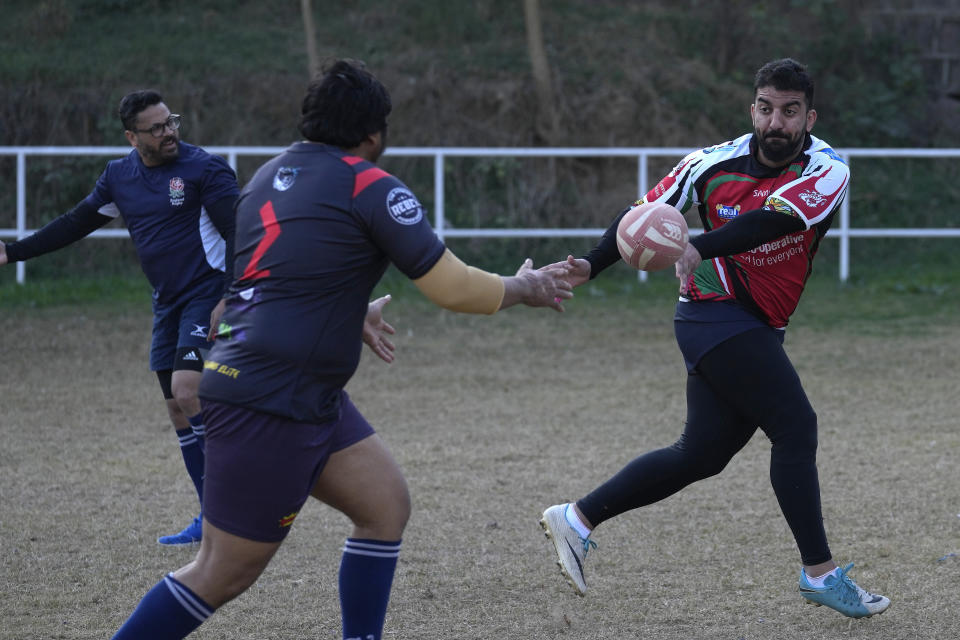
933 26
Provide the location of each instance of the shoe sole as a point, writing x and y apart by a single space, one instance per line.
869 615
566 575
177 544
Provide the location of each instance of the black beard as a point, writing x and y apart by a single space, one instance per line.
158 157
780 152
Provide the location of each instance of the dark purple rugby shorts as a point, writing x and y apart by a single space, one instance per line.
260 468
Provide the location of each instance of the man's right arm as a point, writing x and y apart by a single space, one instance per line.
456 286
606 252
75 224
405 235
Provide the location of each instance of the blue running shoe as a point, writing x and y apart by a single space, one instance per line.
840 592
190 535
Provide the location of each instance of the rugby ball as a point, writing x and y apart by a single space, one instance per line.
652 236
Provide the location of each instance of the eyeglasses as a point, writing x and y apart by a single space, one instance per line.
157 130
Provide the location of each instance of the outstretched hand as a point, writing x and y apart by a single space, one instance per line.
577 270
544 287
376 329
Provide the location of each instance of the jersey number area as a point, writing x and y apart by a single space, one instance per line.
271 232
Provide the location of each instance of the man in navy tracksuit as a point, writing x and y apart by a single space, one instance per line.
177 201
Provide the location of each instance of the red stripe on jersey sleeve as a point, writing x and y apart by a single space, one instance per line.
367 177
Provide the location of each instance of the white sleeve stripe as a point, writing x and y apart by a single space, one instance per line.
187 600
109 209
214 246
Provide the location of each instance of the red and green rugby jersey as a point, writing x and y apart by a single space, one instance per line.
726 180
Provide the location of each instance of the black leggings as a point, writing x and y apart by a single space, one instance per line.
744 383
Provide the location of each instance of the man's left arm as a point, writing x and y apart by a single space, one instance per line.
747 231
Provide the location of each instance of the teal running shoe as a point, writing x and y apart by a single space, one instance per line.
190 535
840 592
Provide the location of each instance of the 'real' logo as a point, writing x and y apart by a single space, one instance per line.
176 191
726 212
404 206
285 177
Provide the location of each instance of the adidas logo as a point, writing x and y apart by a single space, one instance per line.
192 355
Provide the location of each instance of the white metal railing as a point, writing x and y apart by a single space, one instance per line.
843 232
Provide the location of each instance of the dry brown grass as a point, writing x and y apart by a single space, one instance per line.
492 419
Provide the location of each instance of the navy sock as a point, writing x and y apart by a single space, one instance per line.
366 574
199 430
169 611
192 458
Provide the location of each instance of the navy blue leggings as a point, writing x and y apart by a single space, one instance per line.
744 383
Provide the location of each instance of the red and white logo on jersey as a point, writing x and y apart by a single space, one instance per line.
812 199
176 191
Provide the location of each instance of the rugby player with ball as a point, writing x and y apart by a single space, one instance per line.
765 200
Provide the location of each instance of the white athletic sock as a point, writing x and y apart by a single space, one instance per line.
574 520
819 580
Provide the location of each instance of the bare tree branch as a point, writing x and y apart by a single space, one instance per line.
313 62
547 123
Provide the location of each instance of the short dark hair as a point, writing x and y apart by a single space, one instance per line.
344 105
785 74
133 103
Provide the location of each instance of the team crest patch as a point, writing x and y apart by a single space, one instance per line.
176 191
285 177
404 206
779 205
726 212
